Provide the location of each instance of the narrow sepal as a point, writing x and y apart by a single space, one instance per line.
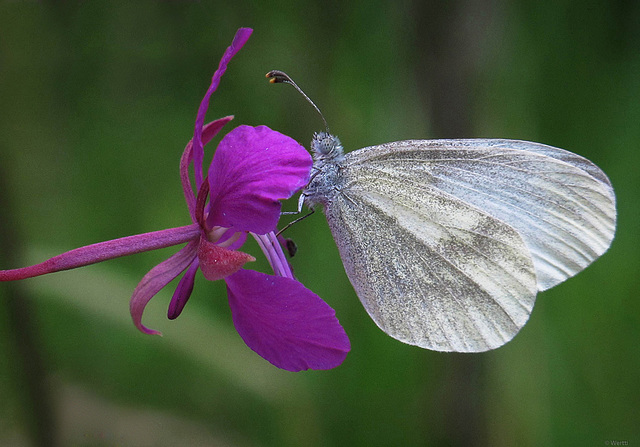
158 277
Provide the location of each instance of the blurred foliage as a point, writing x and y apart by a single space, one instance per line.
97 100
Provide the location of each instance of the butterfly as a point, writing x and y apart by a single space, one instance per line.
447 242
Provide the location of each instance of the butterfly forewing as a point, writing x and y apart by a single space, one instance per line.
561 204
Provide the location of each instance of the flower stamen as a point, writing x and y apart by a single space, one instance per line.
272 249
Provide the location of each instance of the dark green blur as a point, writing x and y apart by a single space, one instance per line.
97 101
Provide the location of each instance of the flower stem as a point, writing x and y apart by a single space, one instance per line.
103 251
23 334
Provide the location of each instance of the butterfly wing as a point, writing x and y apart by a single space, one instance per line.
447 241
561 204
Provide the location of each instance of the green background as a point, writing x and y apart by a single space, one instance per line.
97 101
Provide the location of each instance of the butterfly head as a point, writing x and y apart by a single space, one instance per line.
326 147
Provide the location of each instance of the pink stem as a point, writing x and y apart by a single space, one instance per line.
103 251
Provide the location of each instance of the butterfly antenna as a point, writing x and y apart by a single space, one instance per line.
277 76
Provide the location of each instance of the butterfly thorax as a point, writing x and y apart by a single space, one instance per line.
328 155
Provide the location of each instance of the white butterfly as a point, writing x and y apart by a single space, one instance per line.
447 242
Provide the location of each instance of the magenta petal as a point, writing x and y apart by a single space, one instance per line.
252 169
158 277
241 37
286 323
183 291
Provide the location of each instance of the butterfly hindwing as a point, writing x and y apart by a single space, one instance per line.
429 269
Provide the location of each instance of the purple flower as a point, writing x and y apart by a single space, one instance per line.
252 170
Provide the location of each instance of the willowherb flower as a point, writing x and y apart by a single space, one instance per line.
252 170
